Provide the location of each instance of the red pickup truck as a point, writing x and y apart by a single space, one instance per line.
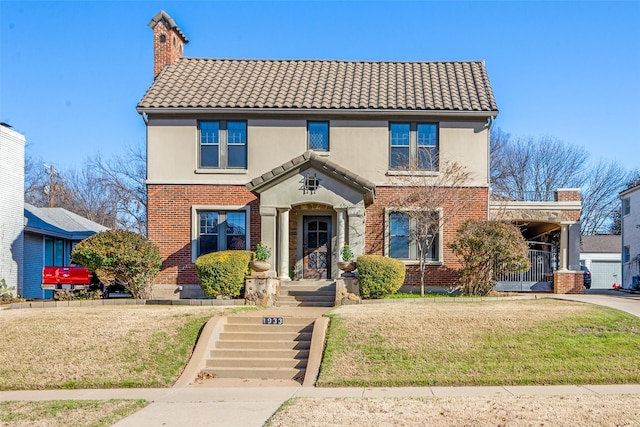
69 278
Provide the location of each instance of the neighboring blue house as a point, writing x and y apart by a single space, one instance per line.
50 235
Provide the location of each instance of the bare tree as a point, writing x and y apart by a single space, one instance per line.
424 198
125 177
109 192
533 168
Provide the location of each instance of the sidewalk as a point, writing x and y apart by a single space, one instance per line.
252 406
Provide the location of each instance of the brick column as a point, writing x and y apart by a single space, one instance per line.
568 282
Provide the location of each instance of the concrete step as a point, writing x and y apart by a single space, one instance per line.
256 362
266 345
265 353
265 336
259 373
306 303
256 320
267 328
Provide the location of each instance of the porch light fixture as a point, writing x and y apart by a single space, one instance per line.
310 184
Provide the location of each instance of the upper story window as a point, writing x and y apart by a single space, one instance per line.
403 238
223 144
318 136
413 146
626 254
626 206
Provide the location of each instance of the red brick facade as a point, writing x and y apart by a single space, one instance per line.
170 225
475 202
170 228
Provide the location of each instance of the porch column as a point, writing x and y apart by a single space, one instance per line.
268 232
356 230
574 246
564 250
283 244
340 225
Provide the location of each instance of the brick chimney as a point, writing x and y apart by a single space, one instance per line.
168 41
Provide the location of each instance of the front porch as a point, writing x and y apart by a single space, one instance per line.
309 208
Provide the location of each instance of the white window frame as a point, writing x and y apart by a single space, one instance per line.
195 223
440 240
626 254
626 206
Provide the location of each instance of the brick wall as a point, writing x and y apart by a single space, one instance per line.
568 282
458 206
169 228
567 195
168 51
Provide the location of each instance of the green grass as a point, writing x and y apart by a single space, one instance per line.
593 345
80 413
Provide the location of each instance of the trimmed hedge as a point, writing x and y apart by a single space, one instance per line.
379 276
222 273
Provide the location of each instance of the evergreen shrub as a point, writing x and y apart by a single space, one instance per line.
222 273
379 276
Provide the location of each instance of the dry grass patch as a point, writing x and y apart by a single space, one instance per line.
62 413
480 343
98 347
570 411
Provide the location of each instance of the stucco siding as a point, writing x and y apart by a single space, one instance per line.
361 146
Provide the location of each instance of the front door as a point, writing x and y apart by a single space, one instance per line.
316 247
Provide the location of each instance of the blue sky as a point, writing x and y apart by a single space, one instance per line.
72 73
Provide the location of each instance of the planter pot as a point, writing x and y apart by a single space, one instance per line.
347 266
260 266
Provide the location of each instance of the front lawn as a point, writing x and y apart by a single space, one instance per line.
480 343
72 413
98 347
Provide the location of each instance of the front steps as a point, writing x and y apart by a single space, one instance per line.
249 349
307 293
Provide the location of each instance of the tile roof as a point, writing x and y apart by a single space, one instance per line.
320 162
604 243
59 222
320 84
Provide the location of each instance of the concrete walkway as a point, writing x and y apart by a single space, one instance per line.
233 403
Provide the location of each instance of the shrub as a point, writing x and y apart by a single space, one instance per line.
347 253
379 276
121 256
222 273
488 249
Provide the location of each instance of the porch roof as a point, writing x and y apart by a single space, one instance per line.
311 158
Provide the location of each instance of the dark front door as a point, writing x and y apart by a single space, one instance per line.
316 247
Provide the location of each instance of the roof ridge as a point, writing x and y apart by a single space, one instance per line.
353 61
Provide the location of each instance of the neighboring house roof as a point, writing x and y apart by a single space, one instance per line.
59 222
193 83
606 243
313 159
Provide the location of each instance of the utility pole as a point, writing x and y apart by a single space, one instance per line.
51 170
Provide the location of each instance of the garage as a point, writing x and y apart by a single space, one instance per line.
604 274
602 255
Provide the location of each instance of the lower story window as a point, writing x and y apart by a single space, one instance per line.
221 230
404 235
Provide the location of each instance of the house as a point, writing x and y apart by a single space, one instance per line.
12 146
631 237
601 254
50 234
306 155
